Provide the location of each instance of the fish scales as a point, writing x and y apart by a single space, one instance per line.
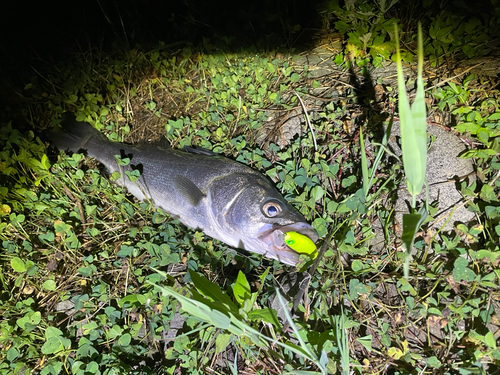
227 200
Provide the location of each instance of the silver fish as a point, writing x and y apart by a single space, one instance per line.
223 198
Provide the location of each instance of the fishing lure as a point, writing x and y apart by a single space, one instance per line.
301 244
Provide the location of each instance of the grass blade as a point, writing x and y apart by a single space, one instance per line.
413 125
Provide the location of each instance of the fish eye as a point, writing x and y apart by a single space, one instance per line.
271 209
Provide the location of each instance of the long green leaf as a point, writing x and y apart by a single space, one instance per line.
364 164
411 225
413 125
227 321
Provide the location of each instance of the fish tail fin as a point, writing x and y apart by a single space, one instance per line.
74 135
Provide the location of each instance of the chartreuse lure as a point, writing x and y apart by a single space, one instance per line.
301 244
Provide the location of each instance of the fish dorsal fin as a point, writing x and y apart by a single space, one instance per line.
191 193
200 151
158 143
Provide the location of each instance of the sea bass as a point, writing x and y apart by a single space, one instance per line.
225 199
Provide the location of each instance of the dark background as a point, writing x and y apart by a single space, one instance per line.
37 34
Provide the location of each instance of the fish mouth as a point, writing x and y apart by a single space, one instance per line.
274 238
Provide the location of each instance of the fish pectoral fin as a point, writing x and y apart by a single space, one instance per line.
187 188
